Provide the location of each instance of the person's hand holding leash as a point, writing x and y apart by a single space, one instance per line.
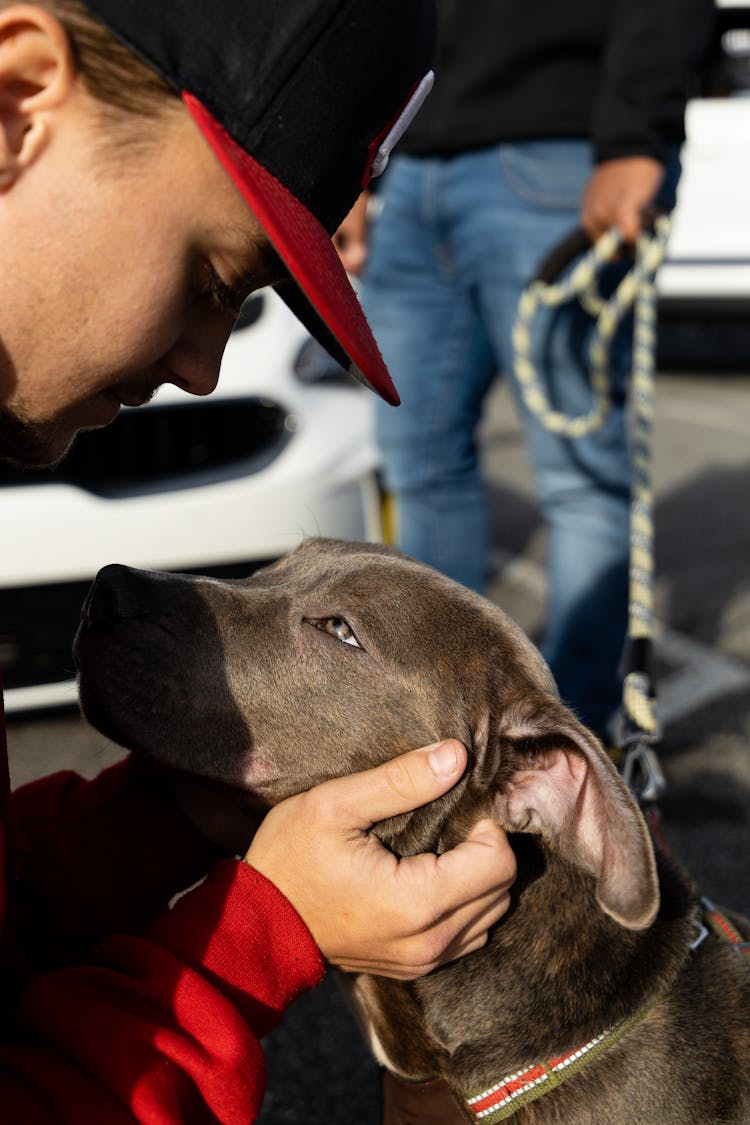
368 910
617 193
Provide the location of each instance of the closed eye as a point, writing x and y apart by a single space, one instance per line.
222 296
335 627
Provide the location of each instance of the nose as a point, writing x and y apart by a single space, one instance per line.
195 360
118 593
202 375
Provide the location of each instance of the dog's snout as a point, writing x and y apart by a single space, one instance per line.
118 593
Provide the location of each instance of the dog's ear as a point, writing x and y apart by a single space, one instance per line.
554 778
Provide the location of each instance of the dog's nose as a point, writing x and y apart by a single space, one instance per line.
118 592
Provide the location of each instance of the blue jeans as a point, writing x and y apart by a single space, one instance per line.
455 243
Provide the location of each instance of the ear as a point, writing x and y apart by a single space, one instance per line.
556 780
37 72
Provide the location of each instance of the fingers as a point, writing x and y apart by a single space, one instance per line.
482 861
470 894
469 937
476 933
400 785
352 252
444 906
416 954
617 193
350 239
626 218
367 910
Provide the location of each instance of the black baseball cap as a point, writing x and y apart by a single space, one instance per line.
302 102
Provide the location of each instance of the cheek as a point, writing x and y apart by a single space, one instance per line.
146 312
107 334
135 290
308 727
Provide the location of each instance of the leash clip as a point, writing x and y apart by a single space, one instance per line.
701 932
642 772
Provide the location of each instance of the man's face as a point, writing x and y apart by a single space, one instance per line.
119 272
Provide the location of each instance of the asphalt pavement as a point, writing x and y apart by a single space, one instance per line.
320 1072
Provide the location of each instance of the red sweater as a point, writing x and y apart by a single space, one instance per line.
116 1009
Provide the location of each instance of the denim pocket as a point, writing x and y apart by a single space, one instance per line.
548 174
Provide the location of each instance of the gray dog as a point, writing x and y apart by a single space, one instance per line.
595 991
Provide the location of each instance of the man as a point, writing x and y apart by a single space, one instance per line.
544 116
128 248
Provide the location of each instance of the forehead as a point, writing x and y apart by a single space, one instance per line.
351 566
418 613
253 247
187 180
231 223
379 585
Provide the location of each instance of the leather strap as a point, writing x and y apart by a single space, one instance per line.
420 1103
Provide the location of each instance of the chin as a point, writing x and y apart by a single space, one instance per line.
31 446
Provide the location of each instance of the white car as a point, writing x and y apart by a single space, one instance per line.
283 449
704 283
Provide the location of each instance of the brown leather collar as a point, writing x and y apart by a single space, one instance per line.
417 1103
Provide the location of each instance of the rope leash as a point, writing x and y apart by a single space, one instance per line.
637 726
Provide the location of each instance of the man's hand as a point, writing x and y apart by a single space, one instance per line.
367 910
351 238
617 193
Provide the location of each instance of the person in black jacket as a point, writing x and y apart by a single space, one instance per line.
543 116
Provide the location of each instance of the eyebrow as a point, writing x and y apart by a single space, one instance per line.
258 249
272 264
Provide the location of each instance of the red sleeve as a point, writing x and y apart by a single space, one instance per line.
96 857
163 1029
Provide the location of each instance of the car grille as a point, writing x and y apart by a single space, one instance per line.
160 448
38 624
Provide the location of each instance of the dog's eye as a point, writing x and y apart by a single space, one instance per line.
336 627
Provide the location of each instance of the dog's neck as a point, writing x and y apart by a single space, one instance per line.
555 973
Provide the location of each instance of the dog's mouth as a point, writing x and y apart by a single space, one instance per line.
118 694
150 673
117 713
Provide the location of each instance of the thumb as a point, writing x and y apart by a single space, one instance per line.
399 785
629 221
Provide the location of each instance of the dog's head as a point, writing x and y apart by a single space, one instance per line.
341 656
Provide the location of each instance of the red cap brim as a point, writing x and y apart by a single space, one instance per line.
306 249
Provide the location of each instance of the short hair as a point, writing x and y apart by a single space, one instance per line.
111 73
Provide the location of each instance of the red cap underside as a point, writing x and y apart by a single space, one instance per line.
306 249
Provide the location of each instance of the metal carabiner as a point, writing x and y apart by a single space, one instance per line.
642 772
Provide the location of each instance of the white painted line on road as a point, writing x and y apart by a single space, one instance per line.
523 573
702 674
705 415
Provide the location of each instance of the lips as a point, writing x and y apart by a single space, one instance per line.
138 395
98 411
134 400
102 409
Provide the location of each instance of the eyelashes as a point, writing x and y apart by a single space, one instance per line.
221 296
335 627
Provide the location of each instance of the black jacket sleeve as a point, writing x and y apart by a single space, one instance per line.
649 68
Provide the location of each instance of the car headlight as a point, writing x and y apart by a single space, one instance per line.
250 312
313 365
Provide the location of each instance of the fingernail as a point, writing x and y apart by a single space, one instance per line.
444 760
